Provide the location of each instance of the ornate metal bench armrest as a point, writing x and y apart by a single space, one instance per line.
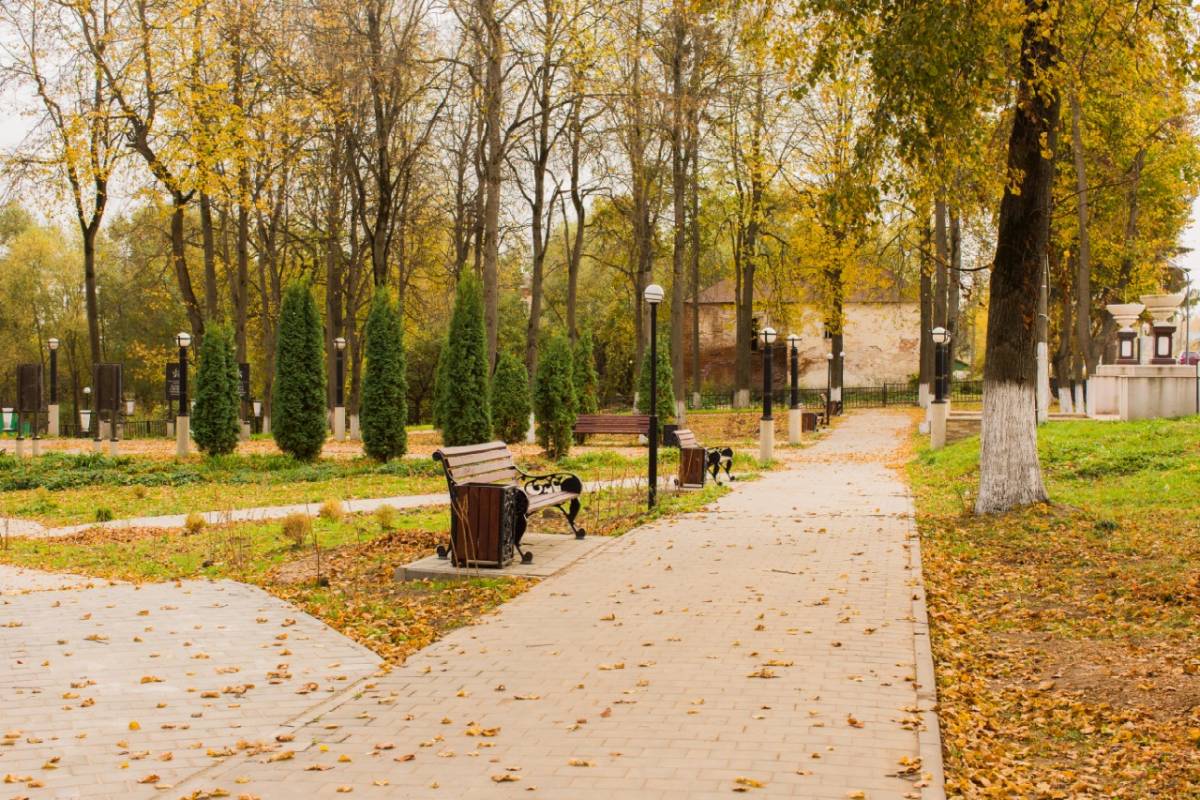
552 482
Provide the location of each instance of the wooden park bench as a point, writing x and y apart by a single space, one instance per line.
695 459
632 424
488 466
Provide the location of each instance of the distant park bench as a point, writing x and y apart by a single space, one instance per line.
632 424
695 459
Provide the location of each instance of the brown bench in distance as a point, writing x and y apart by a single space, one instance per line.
632 424
695 459
492 463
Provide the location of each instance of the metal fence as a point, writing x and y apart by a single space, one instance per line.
880 396
127 429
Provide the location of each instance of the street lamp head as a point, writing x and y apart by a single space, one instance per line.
87 390
654 294
940 335
793 339
768 335
340 343
829 356
183 339
52 343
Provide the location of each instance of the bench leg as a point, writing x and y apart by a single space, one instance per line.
571 512
522 524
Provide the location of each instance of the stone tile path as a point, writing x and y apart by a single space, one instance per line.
773 646
111 691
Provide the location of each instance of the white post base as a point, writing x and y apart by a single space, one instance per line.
105 430
339 423
36 447
937 427
19 449
923 395
98 446
245 432
794 426
112 447
1079 404
741 398
531 434
266 426
170 428
766 440
1064 400
183 429
52 420
355 434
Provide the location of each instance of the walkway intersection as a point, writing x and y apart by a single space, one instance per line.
774 645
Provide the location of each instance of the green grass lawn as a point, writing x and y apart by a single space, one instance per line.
68 489
1067 635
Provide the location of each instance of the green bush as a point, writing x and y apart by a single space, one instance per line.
215 424
666 395
383 410
298 417
554 397
464 400
510 399
587 382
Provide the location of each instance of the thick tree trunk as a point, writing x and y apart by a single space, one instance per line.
678 197
212 308
575 254
941 243
694 251
1010 474
182 276
925 376
493 161
91 300
1083 278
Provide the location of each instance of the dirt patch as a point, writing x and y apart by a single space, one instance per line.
366 561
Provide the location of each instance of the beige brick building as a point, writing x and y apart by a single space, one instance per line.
882 337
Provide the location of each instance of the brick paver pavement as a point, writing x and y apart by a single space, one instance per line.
766 646
113 690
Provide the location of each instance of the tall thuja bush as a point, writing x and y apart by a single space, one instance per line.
666 395
383 409
464 399
554 401
215 425
587 382
298 419
510 399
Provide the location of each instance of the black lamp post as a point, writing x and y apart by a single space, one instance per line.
766 426
793 341
182 422
941 366
339 389
828 387
653 295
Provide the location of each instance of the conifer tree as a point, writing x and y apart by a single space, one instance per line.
384 405
464 398
586 380
215 424
554 400
298 420
666 395
510 399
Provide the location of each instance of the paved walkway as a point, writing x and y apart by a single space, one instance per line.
775 646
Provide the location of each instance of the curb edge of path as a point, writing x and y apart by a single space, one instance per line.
929 734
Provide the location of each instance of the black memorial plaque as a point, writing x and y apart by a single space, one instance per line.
172 381
106 378
29 388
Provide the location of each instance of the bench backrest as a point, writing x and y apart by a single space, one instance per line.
613 423
490 462
686 438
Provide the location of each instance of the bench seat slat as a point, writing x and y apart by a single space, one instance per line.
545 499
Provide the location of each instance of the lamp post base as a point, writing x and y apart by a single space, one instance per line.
339 423
766 440
19 449
183 430
36 447
937 424
52 420
112 447
795 418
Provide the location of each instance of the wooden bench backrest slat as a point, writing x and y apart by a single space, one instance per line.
491 462
612 423
686 438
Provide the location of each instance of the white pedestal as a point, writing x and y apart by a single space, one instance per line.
105 430
170 428
766 440
183 429
937 425
339 423
1142 391
52 420
794 425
